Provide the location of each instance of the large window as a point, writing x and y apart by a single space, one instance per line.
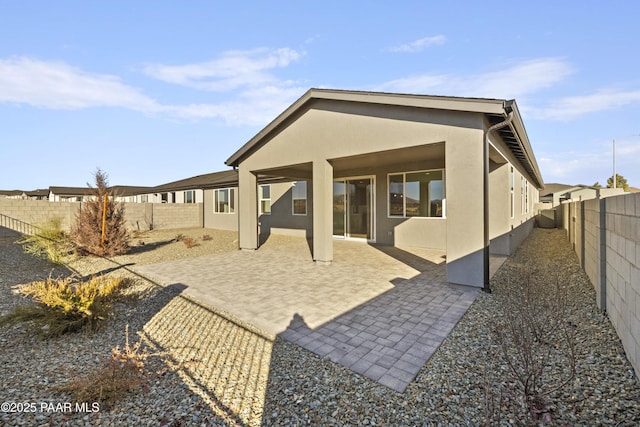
299 197
264 194
190 196
417 194
224 200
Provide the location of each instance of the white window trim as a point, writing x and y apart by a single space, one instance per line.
306 200
231 195
404 199
512 184
260 199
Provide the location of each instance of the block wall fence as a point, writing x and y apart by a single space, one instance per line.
605 234
139 216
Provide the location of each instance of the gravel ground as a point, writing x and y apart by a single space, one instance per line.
214 370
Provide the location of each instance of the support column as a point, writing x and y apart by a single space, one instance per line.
322 211
247 209
465 224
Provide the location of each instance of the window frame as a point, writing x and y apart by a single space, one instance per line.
512 185
261 199
192 193
404 199
294 198
230 200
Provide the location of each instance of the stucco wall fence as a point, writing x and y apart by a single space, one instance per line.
139 216
605 234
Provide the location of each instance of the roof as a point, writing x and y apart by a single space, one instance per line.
129 190
71 191
11 192
210 180
514 134
41 192
554 188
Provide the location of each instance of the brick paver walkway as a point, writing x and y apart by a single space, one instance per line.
380 311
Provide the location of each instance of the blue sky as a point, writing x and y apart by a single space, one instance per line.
156 91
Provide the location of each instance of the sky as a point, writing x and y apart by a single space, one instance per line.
157 91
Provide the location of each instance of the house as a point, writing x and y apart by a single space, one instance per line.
70 194
39 194
129 193
13 194
448 173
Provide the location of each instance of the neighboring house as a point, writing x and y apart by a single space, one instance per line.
189 190
70 194
13 194
404 170
40 194
129 194
555 194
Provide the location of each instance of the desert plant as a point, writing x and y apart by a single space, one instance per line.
66 305
190 242
534 344
101 210
122 372
50 242
206 238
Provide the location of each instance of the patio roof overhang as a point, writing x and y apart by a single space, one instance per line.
514 135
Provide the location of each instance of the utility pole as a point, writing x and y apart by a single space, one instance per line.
615 178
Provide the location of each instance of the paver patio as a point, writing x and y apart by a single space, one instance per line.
379 311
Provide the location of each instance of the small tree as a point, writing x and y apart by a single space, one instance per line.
621 182
87 233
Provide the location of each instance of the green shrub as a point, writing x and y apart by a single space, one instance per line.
65 305
49 242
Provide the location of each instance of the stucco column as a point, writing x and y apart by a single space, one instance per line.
247 209
322 211
465 224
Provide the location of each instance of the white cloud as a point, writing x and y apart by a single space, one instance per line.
592 164
56 85
515 81
419 45
575 106
234 69
257 96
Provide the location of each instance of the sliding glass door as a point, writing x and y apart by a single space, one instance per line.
353 208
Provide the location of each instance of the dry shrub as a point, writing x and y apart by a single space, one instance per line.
87 230
122 372
49 242
190 242
206 238
534 343
66 305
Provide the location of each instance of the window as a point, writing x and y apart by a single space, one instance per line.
522 195
264 194
144 198
164 198
224 200
190 196
526 196
417 194
299 197
512 184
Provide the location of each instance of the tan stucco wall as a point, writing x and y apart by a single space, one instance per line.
220 221
330 131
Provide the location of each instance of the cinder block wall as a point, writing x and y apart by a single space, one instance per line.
609 247
37 212
623 271
139 216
